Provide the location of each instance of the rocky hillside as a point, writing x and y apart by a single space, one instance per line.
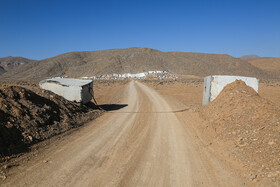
2 70
133 60
9 63
271 65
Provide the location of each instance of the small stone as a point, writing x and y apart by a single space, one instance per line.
45 161
272 174
30 138
3 177
269 175
252 177
271 142
6 166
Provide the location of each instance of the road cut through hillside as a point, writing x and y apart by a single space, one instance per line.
141 144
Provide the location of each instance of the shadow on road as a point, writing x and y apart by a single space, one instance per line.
107 107
112 107
154 112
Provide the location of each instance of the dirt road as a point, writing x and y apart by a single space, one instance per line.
142 144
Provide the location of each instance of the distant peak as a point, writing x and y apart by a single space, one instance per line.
142 49
250 57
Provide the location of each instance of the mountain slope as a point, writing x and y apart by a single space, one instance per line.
271 65
78 64
9 63
2 70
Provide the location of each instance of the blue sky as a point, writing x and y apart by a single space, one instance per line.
40 29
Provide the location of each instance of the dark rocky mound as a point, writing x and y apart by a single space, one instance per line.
27 117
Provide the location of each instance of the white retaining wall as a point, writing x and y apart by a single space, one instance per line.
77 90
214 84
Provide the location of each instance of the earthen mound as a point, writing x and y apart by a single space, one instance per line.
27 117
249 125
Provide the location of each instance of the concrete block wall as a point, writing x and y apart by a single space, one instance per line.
214 84
77 90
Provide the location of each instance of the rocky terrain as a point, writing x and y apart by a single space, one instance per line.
135 60
271 65
30 115
249 125
9 63
268 64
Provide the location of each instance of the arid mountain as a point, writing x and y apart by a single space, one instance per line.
271 65
9 63
250 57
268 64
133 60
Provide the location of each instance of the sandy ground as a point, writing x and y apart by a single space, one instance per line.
142 144
151 140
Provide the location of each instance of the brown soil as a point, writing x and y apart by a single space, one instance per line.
249 125
270 92
143 144
186 92
29 116
225 146
109 92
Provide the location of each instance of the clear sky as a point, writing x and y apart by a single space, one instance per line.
40 29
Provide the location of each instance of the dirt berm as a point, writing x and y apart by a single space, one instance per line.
27 117
247 127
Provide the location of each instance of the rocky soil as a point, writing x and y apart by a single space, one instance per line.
29 115
249 127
